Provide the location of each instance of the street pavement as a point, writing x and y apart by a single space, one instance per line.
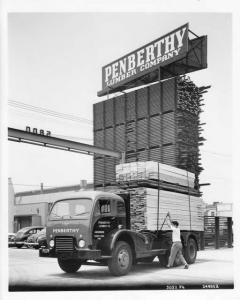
28 271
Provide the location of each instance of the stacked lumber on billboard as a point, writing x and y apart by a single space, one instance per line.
189 106
154 170
148 209
188 95
160 122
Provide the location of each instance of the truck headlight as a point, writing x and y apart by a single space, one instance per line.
51 243
81 243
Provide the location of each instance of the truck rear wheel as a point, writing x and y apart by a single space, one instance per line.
69 265
190 252
121 261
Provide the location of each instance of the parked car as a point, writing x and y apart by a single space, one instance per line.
11 239
23 234
32 240
42 239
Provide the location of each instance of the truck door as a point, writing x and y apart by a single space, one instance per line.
126 198
108 215
104 220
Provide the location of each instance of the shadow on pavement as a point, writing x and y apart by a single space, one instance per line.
102 272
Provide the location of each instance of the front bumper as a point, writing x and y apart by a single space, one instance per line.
83 254
20 243
11 244
31 244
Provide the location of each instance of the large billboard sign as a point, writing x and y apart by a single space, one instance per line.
160 52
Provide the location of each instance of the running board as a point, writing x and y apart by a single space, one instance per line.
151 253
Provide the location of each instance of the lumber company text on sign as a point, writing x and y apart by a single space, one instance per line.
162 51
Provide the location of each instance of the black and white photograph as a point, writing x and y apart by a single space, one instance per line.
119 140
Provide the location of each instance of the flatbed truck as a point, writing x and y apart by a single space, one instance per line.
93 227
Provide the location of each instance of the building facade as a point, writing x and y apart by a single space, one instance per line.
31 208
219 209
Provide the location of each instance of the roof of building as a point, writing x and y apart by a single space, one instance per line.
88 194
52 197
76 187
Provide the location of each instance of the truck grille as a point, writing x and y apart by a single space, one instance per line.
64 244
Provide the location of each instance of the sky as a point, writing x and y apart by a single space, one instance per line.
55 62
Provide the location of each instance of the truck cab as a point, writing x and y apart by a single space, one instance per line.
95 226
80 222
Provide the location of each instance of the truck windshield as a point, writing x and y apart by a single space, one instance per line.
71 209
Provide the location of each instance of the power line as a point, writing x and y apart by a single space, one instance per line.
24 115
48 112
38 108
52 113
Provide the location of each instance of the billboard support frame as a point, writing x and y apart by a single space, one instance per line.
193 33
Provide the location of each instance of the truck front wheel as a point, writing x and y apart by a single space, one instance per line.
190 252
69 265
121 261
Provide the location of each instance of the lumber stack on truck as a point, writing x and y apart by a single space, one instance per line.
154 170
149 206
148 209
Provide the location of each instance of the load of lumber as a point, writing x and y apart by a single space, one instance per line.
148 209
159 122
153 170
188 95
189 128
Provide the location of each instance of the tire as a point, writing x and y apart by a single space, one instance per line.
121 262
69 265
37 246
29 246
190 252
19 246
163 259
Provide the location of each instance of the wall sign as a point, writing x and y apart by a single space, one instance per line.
38 131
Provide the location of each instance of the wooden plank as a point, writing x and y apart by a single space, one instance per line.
150 169
144 209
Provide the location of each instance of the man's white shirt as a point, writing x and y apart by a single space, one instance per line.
176 236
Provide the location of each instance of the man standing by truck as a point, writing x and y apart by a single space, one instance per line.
176 249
